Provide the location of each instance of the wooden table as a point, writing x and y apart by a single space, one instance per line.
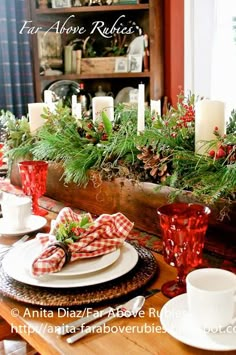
39 330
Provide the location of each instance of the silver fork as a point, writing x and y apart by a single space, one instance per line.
6 248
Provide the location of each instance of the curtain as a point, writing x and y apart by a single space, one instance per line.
223 69
16 81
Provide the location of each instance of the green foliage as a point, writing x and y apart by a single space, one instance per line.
117 47
17 130
71 232
231 125
207 178
77 168
107 124
163 153
88 48
18 140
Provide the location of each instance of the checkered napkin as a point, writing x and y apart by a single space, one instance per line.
107 233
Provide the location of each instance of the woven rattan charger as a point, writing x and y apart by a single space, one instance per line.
134 280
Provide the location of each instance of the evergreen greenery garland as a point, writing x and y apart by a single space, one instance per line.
163 153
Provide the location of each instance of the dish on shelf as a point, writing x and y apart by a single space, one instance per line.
64 89
136 46
123 95
17 264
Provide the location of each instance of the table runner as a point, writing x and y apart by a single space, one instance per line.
216 253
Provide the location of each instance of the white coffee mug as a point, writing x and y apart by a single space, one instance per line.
211 295
15 211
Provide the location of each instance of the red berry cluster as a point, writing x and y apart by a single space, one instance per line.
100 131
224 150
189 116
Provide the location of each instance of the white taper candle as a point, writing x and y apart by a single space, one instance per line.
141 111
48 97
48 100
77 111
73 104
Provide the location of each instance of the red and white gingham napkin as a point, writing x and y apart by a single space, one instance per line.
107 233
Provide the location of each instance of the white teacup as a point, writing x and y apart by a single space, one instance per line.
211 295
15 211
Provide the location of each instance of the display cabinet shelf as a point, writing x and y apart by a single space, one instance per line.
149 16
82 9
97 76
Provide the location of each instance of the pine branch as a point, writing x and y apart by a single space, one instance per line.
205 177
77 168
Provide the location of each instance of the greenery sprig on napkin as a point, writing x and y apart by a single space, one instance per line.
71 232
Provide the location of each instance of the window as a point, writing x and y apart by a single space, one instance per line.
210 50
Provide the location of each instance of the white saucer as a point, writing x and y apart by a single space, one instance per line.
33 223
176 320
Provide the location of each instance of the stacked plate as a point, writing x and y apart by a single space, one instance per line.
84 272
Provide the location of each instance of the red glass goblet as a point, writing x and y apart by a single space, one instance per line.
183 228
1 153
33 177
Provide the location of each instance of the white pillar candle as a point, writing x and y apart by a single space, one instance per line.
155 107
35 112
105 104
209 115
141 111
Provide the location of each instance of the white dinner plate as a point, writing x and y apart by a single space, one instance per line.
177 321
88 265
33 224
17 264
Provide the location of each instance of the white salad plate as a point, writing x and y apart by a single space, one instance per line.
177 321
88 265
17 264
33 224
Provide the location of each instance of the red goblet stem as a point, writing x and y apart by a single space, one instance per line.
35 204
181 275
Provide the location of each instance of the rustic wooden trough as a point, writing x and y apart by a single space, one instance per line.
138 201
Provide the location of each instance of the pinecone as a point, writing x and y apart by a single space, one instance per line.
155 162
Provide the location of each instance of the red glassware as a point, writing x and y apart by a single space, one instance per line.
33 177
183 227
1 153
